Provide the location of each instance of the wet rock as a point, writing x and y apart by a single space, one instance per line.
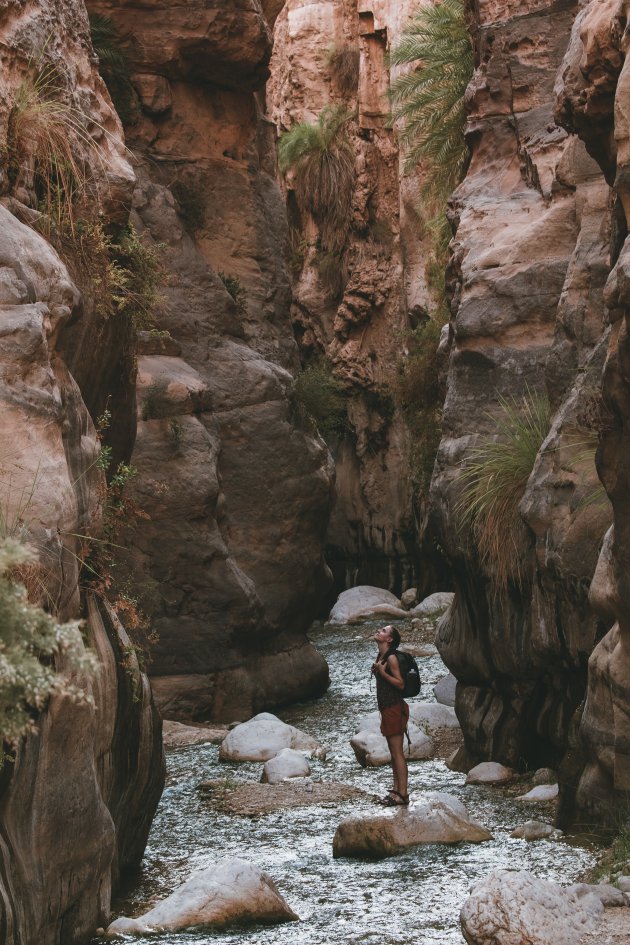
535 830
444 690
434 605
178 735
507 908
489 772
362 602
371 751
409 598
262 738
544 776
433 817
229 892
544 792
254 799
288 763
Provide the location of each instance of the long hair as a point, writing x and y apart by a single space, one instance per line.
395 635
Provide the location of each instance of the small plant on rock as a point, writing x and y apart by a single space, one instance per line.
343 62
495 479
319 400
235 289
321 158
113 65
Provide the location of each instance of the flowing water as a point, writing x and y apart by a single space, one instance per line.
413 897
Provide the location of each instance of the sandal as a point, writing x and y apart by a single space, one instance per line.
395 799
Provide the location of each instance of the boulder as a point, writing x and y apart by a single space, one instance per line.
371 751
510 908
536 830
434 605
624 884
409 598
288 763
359 601
444 690
432 716
544 792
262 738
433 817
608 895
544 776
489 772
230 892
178 735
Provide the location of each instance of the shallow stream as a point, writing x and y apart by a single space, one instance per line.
414 897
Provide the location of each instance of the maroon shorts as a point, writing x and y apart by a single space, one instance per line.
394 719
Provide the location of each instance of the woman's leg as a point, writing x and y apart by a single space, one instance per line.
399 762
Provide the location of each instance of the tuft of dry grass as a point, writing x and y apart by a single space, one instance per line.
495 479
343 62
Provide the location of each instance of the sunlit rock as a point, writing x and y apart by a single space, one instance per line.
544 792
432 716
371 751
286 764
363 602
434 605
510 908
536 830
489 772
262 738
229 892
433 817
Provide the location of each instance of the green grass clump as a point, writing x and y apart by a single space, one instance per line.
321 157
495 479
30 641
236 291
319 400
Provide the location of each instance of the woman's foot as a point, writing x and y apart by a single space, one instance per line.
395 799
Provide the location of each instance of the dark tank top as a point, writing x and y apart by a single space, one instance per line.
387 694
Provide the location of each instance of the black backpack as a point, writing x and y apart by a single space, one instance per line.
409 672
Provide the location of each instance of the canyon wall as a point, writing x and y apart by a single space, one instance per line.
77 800
591 101
530 259
355 306
229 562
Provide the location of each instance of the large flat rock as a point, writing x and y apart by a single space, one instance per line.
362 602
263 737
433 817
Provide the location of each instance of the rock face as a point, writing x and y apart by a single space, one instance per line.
592 100
228 893
530 260
230 563
431 818
383 292
505 908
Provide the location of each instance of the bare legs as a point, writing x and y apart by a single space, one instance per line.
399 763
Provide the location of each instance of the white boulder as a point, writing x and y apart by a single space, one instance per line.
444 690
231 891
371 751
262 738
544 792
433 817
362 602
489 772
434 605
288 763
608 895
510 908
536 830
432 716
408 598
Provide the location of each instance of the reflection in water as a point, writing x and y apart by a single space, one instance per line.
412 897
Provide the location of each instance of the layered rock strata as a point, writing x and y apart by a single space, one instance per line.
229 564
592 101
333 53
529 262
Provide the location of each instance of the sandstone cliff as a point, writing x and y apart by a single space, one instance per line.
357 305
530 260
229 564
77 802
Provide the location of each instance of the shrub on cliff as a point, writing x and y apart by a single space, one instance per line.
343 62
495 479
30 642
113 65
429 100
321 158
318 399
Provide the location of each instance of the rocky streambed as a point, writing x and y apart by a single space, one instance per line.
414 896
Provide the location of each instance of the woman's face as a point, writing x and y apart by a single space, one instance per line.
383 635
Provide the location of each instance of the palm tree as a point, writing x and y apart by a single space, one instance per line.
322 158
429 100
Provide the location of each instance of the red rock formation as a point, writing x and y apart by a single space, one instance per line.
530 258
229 564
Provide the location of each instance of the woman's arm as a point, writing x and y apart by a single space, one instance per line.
391 672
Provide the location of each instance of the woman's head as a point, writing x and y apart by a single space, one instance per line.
390 635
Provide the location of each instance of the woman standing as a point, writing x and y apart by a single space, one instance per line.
394 711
